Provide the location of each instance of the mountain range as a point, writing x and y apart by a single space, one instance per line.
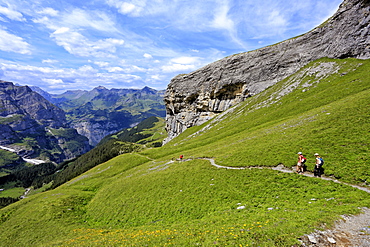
39 125
35 128
103 111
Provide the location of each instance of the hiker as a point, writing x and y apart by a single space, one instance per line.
181 156
318 165
300 163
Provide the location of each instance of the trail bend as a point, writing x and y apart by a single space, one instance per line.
350 231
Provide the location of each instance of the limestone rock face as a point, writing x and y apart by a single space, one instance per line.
196 97
96 131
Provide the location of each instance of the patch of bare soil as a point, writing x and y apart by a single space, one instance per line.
350 231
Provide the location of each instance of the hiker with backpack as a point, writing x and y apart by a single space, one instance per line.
318 165
301 163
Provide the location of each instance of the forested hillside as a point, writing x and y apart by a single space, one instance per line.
48 176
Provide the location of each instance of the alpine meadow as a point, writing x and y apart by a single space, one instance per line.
221 168
150 198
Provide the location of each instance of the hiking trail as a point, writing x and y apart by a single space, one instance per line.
350 231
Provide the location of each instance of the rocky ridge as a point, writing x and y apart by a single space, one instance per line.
194 98
32 126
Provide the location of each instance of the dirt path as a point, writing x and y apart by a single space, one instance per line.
350 231
282 168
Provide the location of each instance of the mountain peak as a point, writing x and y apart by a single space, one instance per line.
147 89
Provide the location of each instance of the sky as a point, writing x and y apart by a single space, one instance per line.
81 44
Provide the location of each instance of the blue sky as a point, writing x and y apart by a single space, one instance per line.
74 44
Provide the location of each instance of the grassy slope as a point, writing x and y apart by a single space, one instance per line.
331 117
143 200
150 132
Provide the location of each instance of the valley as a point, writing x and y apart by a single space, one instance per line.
39 132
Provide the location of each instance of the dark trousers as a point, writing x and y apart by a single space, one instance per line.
317 171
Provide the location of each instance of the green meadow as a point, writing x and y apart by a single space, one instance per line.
149 198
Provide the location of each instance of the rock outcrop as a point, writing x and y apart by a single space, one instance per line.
95 131
34 127
196 97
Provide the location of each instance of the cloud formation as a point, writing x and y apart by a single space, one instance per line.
12 43
60 45
10 13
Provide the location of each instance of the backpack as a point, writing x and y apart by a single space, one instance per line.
322 161
304 160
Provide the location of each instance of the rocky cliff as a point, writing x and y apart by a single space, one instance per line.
196 97
101 111
34 127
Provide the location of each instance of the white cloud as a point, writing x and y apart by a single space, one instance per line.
102 64
276 19
185 60
156 77
222 20
49 61
127 69
49 11
127 8
146 55
177 67
76 44
53 81
133 8
87 69
62 30
12 43
135 68
94 19
75 19
115 69
12 14
45 21
59 80
182 63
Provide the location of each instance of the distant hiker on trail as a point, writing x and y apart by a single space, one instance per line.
318 166
300 163
181 157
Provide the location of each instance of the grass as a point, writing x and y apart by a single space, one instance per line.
11 191
150 132
148 199
199 205
7 161
331 117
